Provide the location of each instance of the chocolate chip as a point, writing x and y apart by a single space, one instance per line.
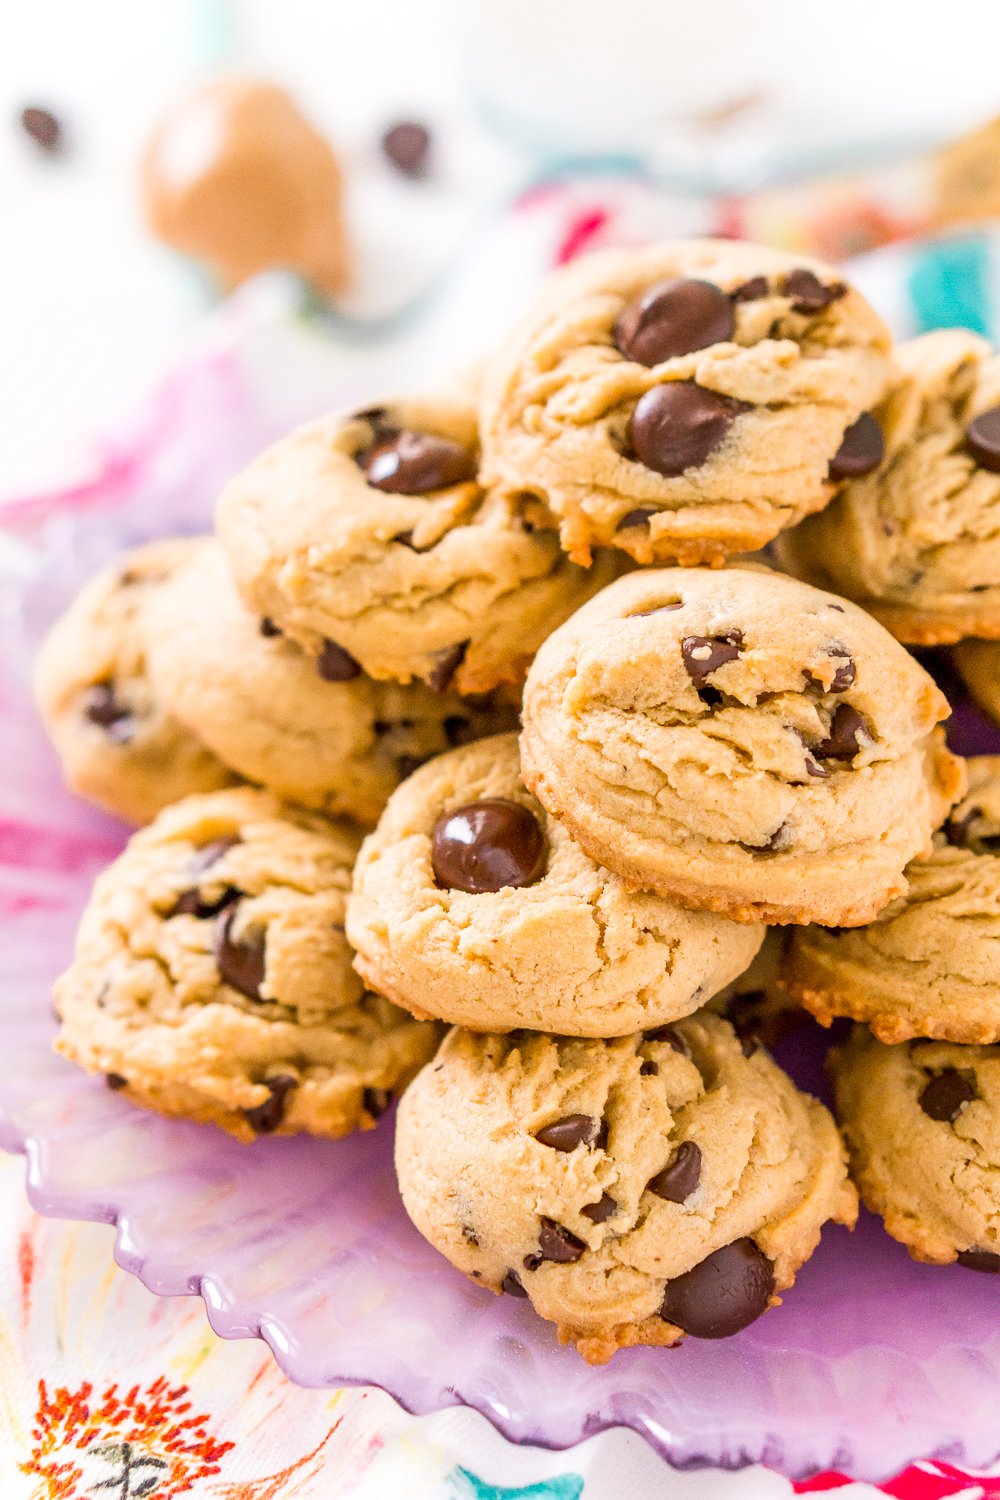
745 1027
658 609
265 1118
675 427
376 1101
750 290
115 1081
414 463
407 145
722 1294
240 961
532 1262
979 1260
103 708
44 128
512 1284
488 846
192 903
780 839
446 665
679 1177
458 730
844 676
556 1243
982 438
705 654
809 294
861 450
635 518
569 1132
671 1036
672 318
268 629
334 664
470 1236
958 831
407 764
649 1069
598 1213
209 854
843 741
946 1095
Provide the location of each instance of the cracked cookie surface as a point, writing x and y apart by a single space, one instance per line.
571 950
922 1124
635 1189
683 401
740 742
213 980
917 540
118 745
371 534
929 965
264 707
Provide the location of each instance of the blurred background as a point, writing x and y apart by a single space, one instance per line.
528 130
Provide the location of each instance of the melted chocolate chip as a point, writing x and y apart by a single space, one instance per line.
845 673
192 903
675 427
115 1081
705 654
265 1118
649 1069
671 1036
598 1213
470 1236
209 854
407 145
809 294
861 450
724 1293
946 1095
446 665
569 1132
458 730
376 1101
407 764
980 1260
268 629
638 517
102 707
487 846
751 290
847 727
512 1285
556 1243
672 318
334 664
982 438
240 961
679 1177
44 128
958 831
415 463
532 1262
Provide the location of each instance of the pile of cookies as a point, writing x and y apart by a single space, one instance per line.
730 794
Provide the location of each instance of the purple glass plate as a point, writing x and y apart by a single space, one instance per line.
871 1362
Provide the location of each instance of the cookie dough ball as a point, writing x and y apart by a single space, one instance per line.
370 537
741 742
684 401
213 980
237 177
472 904
978 663
339 745
118 745
922 1125
929 965
916 541
635 1190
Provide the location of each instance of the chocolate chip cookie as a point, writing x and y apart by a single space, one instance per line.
473 905
916 540
369 540
978 663
269 710
684 401
213 980
929 965
635 1190
922 1125
118 745
741 742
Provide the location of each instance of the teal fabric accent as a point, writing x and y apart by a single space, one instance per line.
949 284
467 1486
